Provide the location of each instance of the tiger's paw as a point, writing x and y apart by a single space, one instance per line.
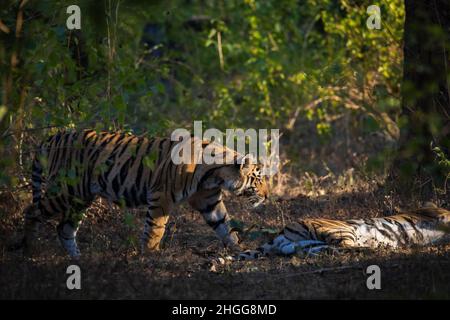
149 247
232 243
70 245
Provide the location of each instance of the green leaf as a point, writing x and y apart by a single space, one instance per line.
150 160
3 111
270 231
237 225
129 219
255 235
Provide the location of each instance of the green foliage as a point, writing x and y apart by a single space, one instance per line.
149 160
252 64
237 225
129 220
442 159
277 57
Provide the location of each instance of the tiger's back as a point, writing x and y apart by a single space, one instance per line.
85 164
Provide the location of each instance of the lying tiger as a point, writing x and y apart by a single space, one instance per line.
420 227
71 169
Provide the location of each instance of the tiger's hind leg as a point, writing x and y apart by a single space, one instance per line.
47 208
68 227
41 210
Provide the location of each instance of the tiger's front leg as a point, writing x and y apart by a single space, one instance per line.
211 206
154 227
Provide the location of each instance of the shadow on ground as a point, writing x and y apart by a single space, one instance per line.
111 268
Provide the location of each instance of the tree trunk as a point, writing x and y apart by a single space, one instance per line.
425 119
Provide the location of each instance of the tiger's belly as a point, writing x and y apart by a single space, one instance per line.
381 233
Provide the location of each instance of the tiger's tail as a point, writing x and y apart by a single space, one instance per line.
36 180
32 214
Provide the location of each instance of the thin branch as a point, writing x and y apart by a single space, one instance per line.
321 270
219 49
4 27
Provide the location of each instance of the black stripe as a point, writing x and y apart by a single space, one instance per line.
102 183
107 140
210 207
388 234
124 148
134 195
139 174
127 198
143 196
403 231
116 186
57 147
124 170
150 221
70 190
413 225
118 145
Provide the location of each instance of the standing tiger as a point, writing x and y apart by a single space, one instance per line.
419 227
72 168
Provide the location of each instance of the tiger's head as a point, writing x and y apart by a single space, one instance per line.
254 186
244 177
249 182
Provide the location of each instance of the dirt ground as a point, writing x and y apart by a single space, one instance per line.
112 269
339 188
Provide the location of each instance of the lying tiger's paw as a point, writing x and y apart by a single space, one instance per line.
215 264
233 248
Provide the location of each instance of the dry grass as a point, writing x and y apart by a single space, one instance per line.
339 188
111 268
